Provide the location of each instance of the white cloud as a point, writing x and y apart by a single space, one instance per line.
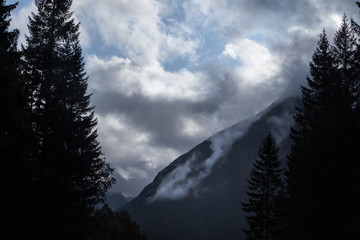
192 127
136 28
257 64
131 173
128 78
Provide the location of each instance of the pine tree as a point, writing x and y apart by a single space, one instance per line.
346 49
264 185
307 151
344 53
14 178
319 179
69 170
356 29
11 99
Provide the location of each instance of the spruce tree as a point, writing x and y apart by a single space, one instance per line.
12 98
356 29
14 174
355 145
264 185
307 154
70 172
319 178
346 50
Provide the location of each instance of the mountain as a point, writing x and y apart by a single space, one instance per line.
199 195
115 200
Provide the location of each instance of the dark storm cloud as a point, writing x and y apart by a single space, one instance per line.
296 54
161 117
158 116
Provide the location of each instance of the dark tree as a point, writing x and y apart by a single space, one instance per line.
356 60
110 225
264 185
324 155
11 98
68 168
303 170
14 175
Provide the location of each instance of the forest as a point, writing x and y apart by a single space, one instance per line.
55 175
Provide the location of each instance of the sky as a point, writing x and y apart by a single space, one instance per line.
168 74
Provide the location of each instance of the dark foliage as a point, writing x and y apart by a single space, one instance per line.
323 166
69 174
110 225
11 99
264 185
53 172
13 130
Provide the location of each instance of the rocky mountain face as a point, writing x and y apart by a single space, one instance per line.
199 195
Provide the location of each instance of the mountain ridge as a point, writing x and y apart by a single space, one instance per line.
199 194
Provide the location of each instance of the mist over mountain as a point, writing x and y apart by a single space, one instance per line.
199 195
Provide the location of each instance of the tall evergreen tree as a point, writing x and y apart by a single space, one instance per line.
9 80
69 170
346 50
11 99
264 185
356 29
305 159
14 188
321 160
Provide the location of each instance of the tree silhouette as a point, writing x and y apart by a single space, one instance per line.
15 187
323 167
69 170
264 184
110 225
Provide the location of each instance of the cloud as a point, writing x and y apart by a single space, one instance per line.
257 65
131 172
129 78
137 30
184 180
281 126
168 74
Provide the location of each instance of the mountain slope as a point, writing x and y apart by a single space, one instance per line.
115 200
199 195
